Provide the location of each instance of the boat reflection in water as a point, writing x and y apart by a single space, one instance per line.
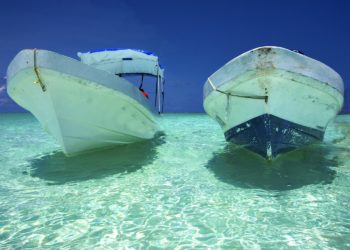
313 164
57 169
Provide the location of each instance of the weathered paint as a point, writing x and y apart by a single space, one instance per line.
298 89
83 108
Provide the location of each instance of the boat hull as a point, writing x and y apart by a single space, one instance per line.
82 107
269 135
272 100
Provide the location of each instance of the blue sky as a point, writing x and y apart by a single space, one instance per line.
192 38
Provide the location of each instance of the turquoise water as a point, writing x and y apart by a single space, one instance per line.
184 189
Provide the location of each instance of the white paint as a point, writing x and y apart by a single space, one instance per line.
82 113
269 150
300 89
2 88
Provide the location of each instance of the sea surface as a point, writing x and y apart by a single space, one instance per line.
186 189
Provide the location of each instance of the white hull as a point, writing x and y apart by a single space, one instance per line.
82 107
274 82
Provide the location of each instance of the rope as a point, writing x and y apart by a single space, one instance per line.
265 97
42 85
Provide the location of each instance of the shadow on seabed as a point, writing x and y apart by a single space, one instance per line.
309 165
59 169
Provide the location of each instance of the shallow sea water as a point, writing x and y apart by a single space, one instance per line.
186 189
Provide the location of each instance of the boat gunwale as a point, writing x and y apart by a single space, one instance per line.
268 51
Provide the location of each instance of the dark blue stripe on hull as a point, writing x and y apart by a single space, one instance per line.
269 135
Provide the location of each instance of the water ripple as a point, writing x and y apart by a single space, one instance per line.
183 190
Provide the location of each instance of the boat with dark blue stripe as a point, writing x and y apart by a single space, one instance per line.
272 100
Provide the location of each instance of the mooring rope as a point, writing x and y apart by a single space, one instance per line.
265 97
42 85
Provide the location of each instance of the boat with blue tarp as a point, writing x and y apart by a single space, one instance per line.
91 103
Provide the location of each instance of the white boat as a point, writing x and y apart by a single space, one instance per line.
87 104
272 100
